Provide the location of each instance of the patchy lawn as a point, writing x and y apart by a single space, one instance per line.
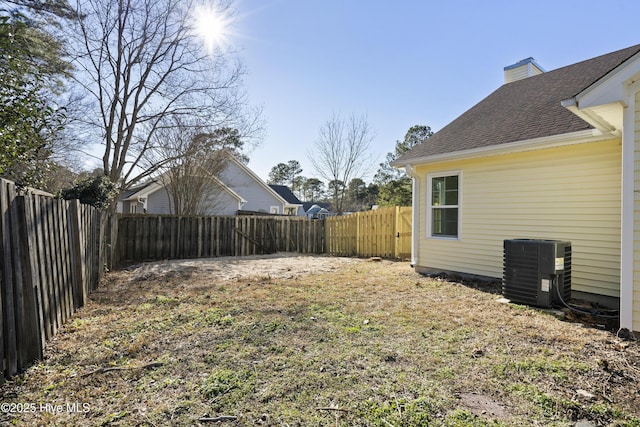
341 342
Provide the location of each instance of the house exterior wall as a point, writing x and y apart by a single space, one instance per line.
258 197
566 193
159 202
220 203
636 218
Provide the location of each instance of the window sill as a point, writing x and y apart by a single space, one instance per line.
449 238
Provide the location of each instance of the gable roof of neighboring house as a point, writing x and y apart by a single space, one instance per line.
257 179
315 209
308 205
144 189
286 194
522 110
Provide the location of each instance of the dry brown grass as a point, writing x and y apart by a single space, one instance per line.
367 344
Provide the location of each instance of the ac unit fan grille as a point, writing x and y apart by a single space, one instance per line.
520 283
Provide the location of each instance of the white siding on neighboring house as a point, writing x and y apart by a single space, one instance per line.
159 202
222 203
258 197
567 193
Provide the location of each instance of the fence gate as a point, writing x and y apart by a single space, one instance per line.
403 232
384 232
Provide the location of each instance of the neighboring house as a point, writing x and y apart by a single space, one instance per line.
238 189
317 212
294 206
548 155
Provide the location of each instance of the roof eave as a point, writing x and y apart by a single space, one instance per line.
229 190
610 87
257 179
579 137
143 192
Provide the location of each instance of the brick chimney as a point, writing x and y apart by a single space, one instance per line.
521 70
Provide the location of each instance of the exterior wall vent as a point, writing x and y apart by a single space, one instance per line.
521 70
536 270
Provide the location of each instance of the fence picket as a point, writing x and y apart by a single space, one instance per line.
29 332
43 291
65 259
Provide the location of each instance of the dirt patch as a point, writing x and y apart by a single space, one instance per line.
483 405
276 265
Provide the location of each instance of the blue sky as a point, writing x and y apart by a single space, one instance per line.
402 62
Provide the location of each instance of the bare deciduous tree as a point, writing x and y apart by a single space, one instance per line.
142 62
342 152
197 157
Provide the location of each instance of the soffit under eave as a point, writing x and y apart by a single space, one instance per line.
607 118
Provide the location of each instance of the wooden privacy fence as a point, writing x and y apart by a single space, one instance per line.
49 261
384 232
155 237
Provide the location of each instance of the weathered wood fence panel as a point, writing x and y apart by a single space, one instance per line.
384 232
49 262
156 237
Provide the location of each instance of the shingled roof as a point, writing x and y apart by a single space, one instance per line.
522 110
286 193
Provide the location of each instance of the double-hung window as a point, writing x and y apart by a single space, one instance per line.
444 205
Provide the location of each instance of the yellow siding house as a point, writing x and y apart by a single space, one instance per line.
548 155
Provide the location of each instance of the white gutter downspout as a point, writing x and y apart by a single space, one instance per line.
628 196
414 213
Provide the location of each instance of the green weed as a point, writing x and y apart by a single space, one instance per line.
464 418
227 387
396 412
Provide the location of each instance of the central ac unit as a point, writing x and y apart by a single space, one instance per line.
537 272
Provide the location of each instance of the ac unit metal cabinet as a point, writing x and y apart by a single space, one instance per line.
534 269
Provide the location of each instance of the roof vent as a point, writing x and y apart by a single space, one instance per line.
521 70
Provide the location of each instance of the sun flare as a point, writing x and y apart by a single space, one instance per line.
211 25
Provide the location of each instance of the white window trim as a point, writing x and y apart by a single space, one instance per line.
274 210
430 207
